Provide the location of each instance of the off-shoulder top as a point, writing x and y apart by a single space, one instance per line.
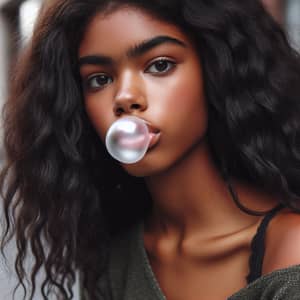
130 277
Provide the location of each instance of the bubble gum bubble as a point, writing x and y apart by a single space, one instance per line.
127 140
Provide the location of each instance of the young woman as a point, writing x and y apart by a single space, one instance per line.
210 212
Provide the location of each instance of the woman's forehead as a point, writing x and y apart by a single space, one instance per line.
125 27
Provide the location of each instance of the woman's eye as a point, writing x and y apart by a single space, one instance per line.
97 81
161 66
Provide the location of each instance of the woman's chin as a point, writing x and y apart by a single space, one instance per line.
137 170
145 167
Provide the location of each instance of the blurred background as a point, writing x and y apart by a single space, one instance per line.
17 18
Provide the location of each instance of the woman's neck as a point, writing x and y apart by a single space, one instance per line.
192 197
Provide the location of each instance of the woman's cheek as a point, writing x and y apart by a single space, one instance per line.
98 114
181 94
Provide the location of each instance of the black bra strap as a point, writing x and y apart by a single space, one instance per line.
258 246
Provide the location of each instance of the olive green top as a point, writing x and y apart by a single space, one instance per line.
130 276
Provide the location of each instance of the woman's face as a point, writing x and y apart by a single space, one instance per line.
134 64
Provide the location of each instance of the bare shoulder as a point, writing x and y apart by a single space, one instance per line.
282 242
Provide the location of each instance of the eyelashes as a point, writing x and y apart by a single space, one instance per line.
98 81
163 66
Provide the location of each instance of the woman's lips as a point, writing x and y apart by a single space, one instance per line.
133 142
154 135
137 142
154 138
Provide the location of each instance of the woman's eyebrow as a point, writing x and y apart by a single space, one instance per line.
147 45
133 52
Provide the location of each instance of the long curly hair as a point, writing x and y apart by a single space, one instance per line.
65 197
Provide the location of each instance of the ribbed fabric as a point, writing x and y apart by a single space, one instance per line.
258 246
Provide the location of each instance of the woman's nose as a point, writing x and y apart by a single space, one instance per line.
130 96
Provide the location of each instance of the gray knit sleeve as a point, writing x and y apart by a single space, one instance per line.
102 289
279 285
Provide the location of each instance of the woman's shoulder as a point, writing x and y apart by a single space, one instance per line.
281 262
282 244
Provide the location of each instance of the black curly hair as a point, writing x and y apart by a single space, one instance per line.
65 197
